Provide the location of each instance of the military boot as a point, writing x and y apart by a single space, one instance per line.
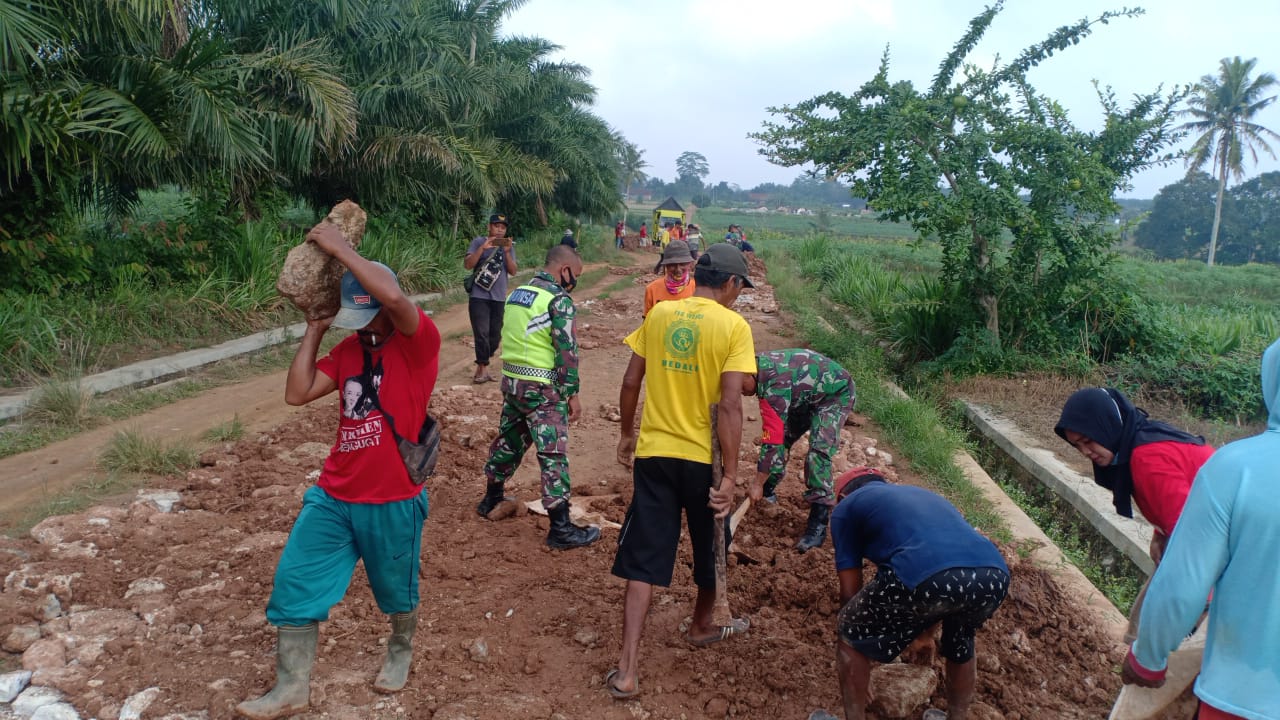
295 654
564 534
395 669
493 497
815 533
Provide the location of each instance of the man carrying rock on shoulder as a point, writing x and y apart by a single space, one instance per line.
365 506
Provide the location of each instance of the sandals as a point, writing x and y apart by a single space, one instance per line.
738 626
619 694
481 380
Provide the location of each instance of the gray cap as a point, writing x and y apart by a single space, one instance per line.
728 259
675 253
359 308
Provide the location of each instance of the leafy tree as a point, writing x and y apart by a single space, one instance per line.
418 106
1181 218
102 99
692 167
1223 108
994 170
1252 221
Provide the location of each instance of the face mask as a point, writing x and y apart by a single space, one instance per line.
676 285
569 284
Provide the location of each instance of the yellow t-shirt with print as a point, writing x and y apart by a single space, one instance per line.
686 345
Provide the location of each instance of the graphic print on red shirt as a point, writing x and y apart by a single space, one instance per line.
364 464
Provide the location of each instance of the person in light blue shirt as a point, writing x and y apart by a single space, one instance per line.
1227 542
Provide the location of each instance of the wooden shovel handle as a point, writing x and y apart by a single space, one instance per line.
720 613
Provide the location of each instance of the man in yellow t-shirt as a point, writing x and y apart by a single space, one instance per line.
690 353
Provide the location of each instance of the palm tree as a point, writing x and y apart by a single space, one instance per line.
631 158
1223 107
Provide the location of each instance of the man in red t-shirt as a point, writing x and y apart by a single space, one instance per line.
364 506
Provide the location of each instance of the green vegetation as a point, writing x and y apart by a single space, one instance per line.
914 426
132 452
714 221
1203 355
229 431
159 158
1223 108
419 107
1181 221
926 437
1019 212
65 404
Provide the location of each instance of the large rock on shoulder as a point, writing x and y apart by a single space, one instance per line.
311 278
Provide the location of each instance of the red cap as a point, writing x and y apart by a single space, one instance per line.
853 474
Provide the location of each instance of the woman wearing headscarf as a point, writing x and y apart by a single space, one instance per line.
1139 460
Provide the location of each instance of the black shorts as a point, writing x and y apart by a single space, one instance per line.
885 617
650 534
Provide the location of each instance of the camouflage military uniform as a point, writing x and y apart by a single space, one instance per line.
538 413
809 393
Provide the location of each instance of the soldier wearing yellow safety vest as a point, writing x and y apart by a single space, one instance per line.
540 394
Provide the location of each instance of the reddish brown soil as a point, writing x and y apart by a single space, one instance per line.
551 620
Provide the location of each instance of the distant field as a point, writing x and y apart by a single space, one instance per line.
716 220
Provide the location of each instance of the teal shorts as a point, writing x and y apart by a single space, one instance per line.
328 538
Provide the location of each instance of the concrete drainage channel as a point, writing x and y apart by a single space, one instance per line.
157 370
1111 550
1045 551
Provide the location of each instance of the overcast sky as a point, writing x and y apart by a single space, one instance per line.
677 75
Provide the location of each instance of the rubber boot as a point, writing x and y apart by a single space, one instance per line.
815 533
295 654
395 669
564 534
492 498
771 492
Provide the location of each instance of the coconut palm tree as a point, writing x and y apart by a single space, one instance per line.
1223 108
631 158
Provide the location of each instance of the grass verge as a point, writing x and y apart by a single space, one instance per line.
912 425
927 440
36 430
229 431
129 451
621 283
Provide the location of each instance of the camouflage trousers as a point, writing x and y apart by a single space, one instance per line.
823 423
532 414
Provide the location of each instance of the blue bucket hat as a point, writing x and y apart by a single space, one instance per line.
359 307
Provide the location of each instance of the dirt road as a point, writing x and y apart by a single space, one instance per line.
508 629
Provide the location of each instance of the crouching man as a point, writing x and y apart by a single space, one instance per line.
931 567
